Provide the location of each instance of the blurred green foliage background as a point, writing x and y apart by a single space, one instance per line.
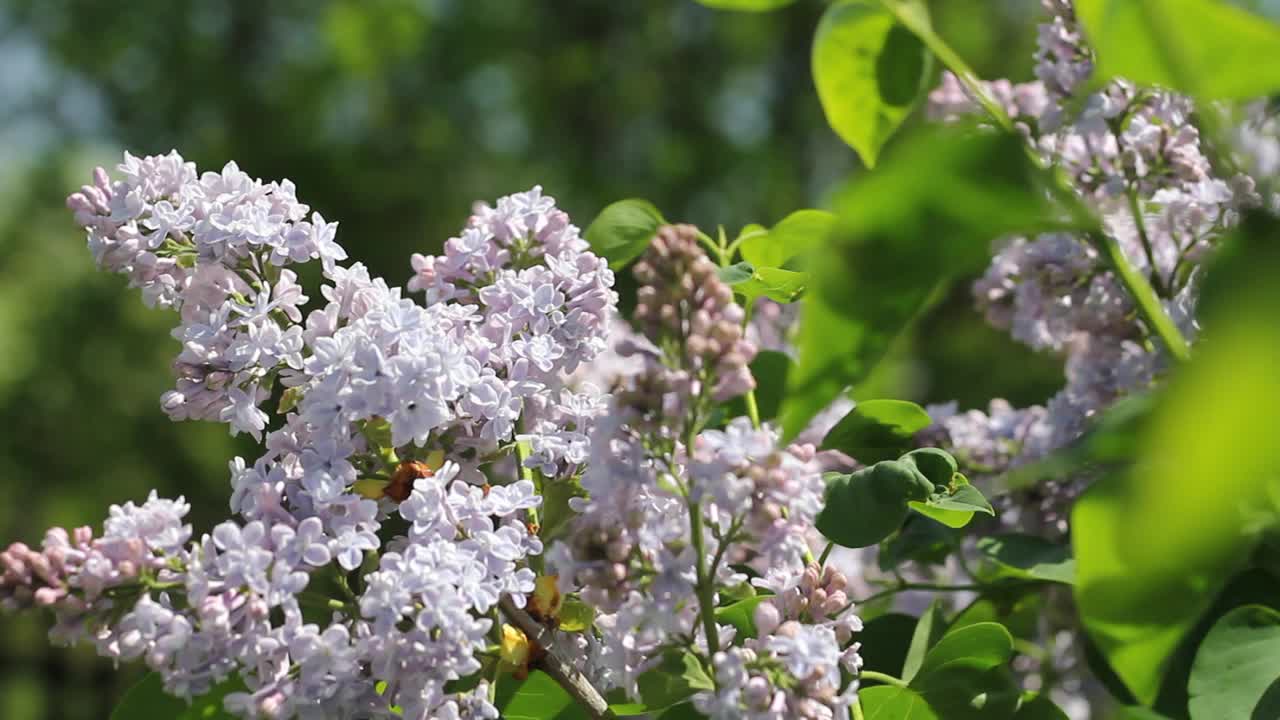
391 116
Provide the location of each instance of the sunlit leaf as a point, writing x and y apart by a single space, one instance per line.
876 430
1207 48
622 231
1154 545
885 702
794 235
869 71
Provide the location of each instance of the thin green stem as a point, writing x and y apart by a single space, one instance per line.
855 710
737 242
706 592
882 678
1140 223
936 587
1032 650
753 410
1158 321
826 553
526 473
919 24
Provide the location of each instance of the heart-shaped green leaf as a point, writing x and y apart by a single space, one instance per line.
869 70
956 507
876 430
1031 557
793 236
982 645
622 231
1237 667
886 702
865 507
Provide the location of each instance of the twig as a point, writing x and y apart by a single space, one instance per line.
560 670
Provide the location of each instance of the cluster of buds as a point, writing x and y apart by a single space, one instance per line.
819 598
689 313
73 574
32 577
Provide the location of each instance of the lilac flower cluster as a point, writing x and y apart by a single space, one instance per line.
793 673
666 494
214 247
792 667
433 414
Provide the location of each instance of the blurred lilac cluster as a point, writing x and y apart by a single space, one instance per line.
1135 155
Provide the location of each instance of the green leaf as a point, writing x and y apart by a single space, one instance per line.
876 430
784 286
967 692
537 697
934 463
948 517
884 259
576 616
555 512
1206 48
886 640
622 231
921 540
746 5
1135 617
1040 707
1018 608
1140 713
886 702
1236 666
741 615
737 273
683 711
965 675
1154 544
865 507
795 235
982 646
956 507
928 631
869 71
770 369
673 681
1031 557
147 700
